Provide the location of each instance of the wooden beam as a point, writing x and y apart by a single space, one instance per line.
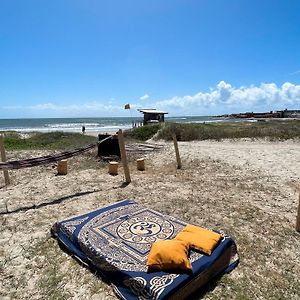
123 156
3 158
298 216
176 151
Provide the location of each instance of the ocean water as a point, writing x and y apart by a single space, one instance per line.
66 124
100 125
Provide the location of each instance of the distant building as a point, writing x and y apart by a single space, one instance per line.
265 115
152 116
290 113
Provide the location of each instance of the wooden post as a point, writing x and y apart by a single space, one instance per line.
176 151
123 156
298 216
3 158
62 167
113 168
140 164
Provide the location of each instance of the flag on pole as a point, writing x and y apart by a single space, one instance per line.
127 106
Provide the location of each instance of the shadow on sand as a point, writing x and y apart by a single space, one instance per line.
43 204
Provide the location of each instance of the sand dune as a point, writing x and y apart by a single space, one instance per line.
248 189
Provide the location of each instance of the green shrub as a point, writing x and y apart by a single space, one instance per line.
51 140
143 133
272 129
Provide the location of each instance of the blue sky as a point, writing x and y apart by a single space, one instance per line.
90 57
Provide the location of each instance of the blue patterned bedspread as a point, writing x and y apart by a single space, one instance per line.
116 240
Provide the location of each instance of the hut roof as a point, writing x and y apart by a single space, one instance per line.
151 111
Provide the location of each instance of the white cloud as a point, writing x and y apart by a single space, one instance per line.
145 97
94 108
12 107
225 98
91 106
221 99
296 72
46 106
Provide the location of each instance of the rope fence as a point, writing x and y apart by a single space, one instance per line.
43 160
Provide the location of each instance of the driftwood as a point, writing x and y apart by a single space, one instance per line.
142 148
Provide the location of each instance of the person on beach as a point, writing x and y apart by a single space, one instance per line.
83 129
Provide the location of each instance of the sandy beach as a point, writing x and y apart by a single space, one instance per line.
246 188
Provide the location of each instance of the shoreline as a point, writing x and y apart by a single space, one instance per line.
103 125
26 135
110 130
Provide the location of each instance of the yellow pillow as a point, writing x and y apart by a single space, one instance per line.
199 238
169 255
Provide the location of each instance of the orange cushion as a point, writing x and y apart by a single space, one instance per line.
199 238
169 255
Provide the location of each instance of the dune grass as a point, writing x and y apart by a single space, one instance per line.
143 133
253 207
272 129
51 141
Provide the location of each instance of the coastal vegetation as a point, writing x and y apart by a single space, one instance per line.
50 140
271 129
143 133
247 189
235 187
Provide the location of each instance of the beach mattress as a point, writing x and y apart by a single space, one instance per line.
116 239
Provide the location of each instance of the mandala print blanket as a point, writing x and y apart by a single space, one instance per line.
116 240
